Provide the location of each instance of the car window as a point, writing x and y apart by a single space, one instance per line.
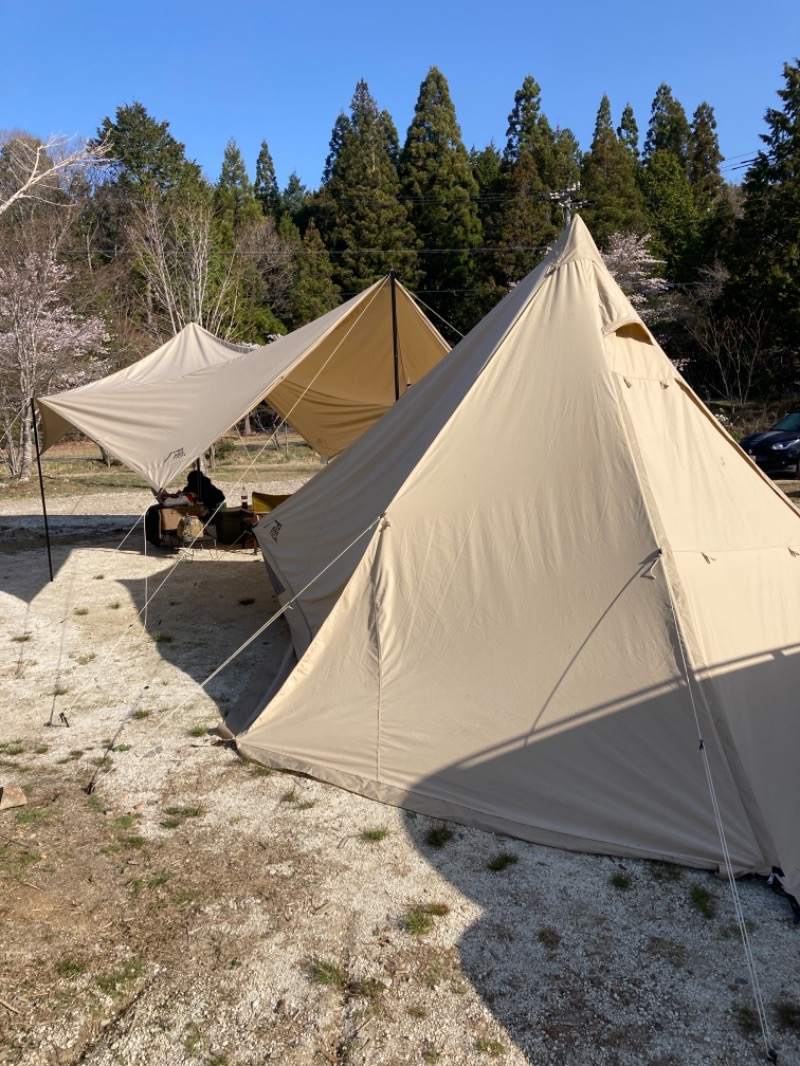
790 423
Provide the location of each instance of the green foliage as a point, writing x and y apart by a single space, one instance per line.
265 188
502 861
609 182
438 836
668 130
359 212
704 900
146 157
439 185
418 919
314 292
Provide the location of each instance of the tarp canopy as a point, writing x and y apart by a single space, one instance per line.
330 379
558 597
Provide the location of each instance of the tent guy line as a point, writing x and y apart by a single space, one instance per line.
218 670
755 984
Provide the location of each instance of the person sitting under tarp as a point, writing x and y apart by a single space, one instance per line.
204 489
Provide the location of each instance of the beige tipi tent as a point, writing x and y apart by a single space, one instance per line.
548 595
330 379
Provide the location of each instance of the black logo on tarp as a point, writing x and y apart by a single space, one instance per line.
177 454
276 528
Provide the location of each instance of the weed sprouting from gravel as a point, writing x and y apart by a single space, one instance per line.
192 1039
704 900
13 749
438 836
246 601
141 714
492 1048
290 796
502 860
665 871
787 1015
621 880
325 972
70 967
418 919
81 611
60 690
372 836
162 638
746 1019
549 937
115 981
22 638
176 816
198 731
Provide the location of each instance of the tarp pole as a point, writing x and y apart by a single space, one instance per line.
41 488
395 340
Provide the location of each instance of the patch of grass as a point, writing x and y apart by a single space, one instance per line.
13 749
621 880
233 964
125 821
122 747
162 638
415 1011
372 836
115 606
502 860
176 816
493 1048
22 638
99 577
140 715
73 756
247 601
258 771
186 895
134 841
198 731
40 749
81 611
192 1039
430 1054
84 660
70 967
746 1019
438 836
665 871
325 972
171 823
549 937
97 805
418 919
60 690
29 817
115 981
704 900
787 1015
159 878
305 805
290 796
102 760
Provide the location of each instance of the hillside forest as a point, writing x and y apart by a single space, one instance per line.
108 248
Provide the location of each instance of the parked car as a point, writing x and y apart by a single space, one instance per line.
776 450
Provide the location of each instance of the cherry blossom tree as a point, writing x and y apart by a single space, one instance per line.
634 268
44 343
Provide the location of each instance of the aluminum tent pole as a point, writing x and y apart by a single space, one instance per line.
395 340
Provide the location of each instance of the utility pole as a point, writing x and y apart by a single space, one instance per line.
567 200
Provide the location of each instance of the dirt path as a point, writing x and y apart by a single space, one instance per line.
198 909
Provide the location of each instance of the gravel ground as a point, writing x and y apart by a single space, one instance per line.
195 908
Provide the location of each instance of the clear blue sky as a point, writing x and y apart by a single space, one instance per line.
282 71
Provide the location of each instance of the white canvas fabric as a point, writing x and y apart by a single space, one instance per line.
554 597
330 379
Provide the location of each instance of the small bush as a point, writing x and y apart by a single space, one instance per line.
22 638
549 937
492 1048
162 638
198 731
325 972
139 715
621 880
788 1015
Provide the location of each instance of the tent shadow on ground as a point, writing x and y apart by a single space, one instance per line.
205 610
23 546
549 987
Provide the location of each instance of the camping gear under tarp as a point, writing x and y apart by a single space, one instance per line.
330 379
558 598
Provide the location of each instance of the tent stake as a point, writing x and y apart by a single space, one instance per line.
41 488
394 340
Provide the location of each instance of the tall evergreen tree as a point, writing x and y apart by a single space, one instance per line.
628 131
234 198
296 202
265 188
362 219
766 268
437 179
146 158
668 130
314 291
705 156
673 214
609 183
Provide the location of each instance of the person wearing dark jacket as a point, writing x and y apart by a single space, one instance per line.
205 490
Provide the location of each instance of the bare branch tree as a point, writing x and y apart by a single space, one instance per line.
44 171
